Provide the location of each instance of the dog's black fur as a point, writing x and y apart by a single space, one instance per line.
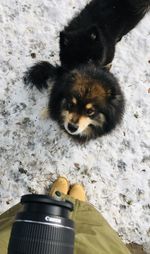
87 101
93 34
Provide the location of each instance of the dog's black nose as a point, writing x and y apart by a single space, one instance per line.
72 127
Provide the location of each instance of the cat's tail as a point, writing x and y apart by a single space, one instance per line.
39 74
140 6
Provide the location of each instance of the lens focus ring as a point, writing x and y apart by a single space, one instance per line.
36 238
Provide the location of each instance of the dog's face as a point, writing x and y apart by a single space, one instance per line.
81 46
80 116
89 106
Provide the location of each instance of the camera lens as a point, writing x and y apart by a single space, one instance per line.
42 227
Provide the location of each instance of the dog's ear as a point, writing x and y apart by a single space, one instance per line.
64 38
93 33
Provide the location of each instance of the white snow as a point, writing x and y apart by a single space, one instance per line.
115 169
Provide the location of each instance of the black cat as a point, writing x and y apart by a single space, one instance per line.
93 34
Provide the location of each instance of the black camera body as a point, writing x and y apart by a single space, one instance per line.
42 227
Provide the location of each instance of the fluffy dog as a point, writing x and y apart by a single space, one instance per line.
93 34
87 101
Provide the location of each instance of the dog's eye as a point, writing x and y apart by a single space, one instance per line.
69 105
90 112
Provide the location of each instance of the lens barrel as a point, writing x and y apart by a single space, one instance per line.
42 227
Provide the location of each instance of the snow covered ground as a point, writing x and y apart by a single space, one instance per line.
114 169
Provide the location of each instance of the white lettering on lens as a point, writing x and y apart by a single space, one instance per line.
50 219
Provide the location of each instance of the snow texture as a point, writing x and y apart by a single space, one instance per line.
114 169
